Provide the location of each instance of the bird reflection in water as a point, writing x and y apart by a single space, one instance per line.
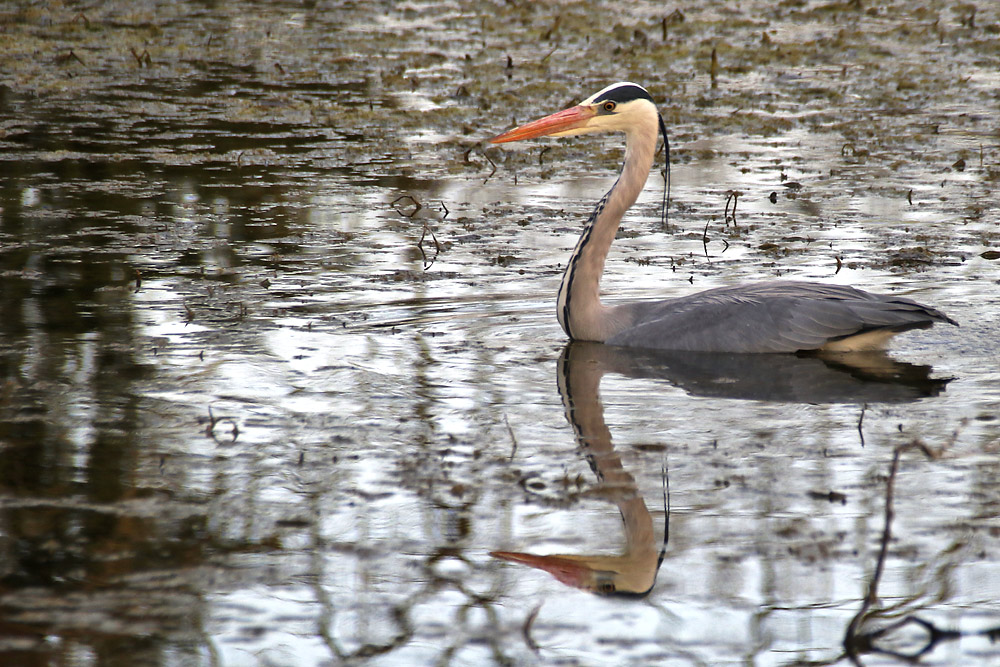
812 378
807 377
632 573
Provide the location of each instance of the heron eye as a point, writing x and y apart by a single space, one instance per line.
609 106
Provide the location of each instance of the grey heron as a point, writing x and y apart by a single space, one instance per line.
774 316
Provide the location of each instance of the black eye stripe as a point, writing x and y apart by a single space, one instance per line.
625 93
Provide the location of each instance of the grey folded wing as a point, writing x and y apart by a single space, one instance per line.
770 317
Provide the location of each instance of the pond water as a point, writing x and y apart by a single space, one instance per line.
281 381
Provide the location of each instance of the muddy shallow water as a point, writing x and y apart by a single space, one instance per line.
279 368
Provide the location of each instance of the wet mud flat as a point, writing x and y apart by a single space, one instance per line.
280 368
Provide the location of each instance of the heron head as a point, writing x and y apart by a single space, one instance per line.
619 107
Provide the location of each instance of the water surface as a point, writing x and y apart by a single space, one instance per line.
280 367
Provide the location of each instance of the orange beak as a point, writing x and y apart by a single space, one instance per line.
561 121
566 570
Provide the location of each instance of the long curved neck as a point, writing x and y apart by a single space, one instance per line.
580 312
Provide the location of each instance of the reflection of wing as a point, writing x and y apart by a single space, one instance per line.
784 316
855 377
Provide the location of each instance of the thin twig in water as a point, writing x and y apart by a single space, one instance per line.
492 164
65 58
416 205
861 418
142 58
666 515
545 149
513 438
734 196
852 639
527 628
714 69
420 246
213 421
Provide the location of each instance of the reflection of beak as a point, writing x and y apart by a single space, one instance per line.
573 118
631 574
567 569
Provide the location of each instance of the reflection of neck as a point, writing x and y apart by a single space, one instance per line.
579 386
634 571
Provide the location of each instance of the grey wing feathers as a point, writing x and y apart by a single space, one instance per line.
770 317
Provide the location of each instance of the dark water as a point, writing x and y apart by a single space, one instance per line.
279 369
